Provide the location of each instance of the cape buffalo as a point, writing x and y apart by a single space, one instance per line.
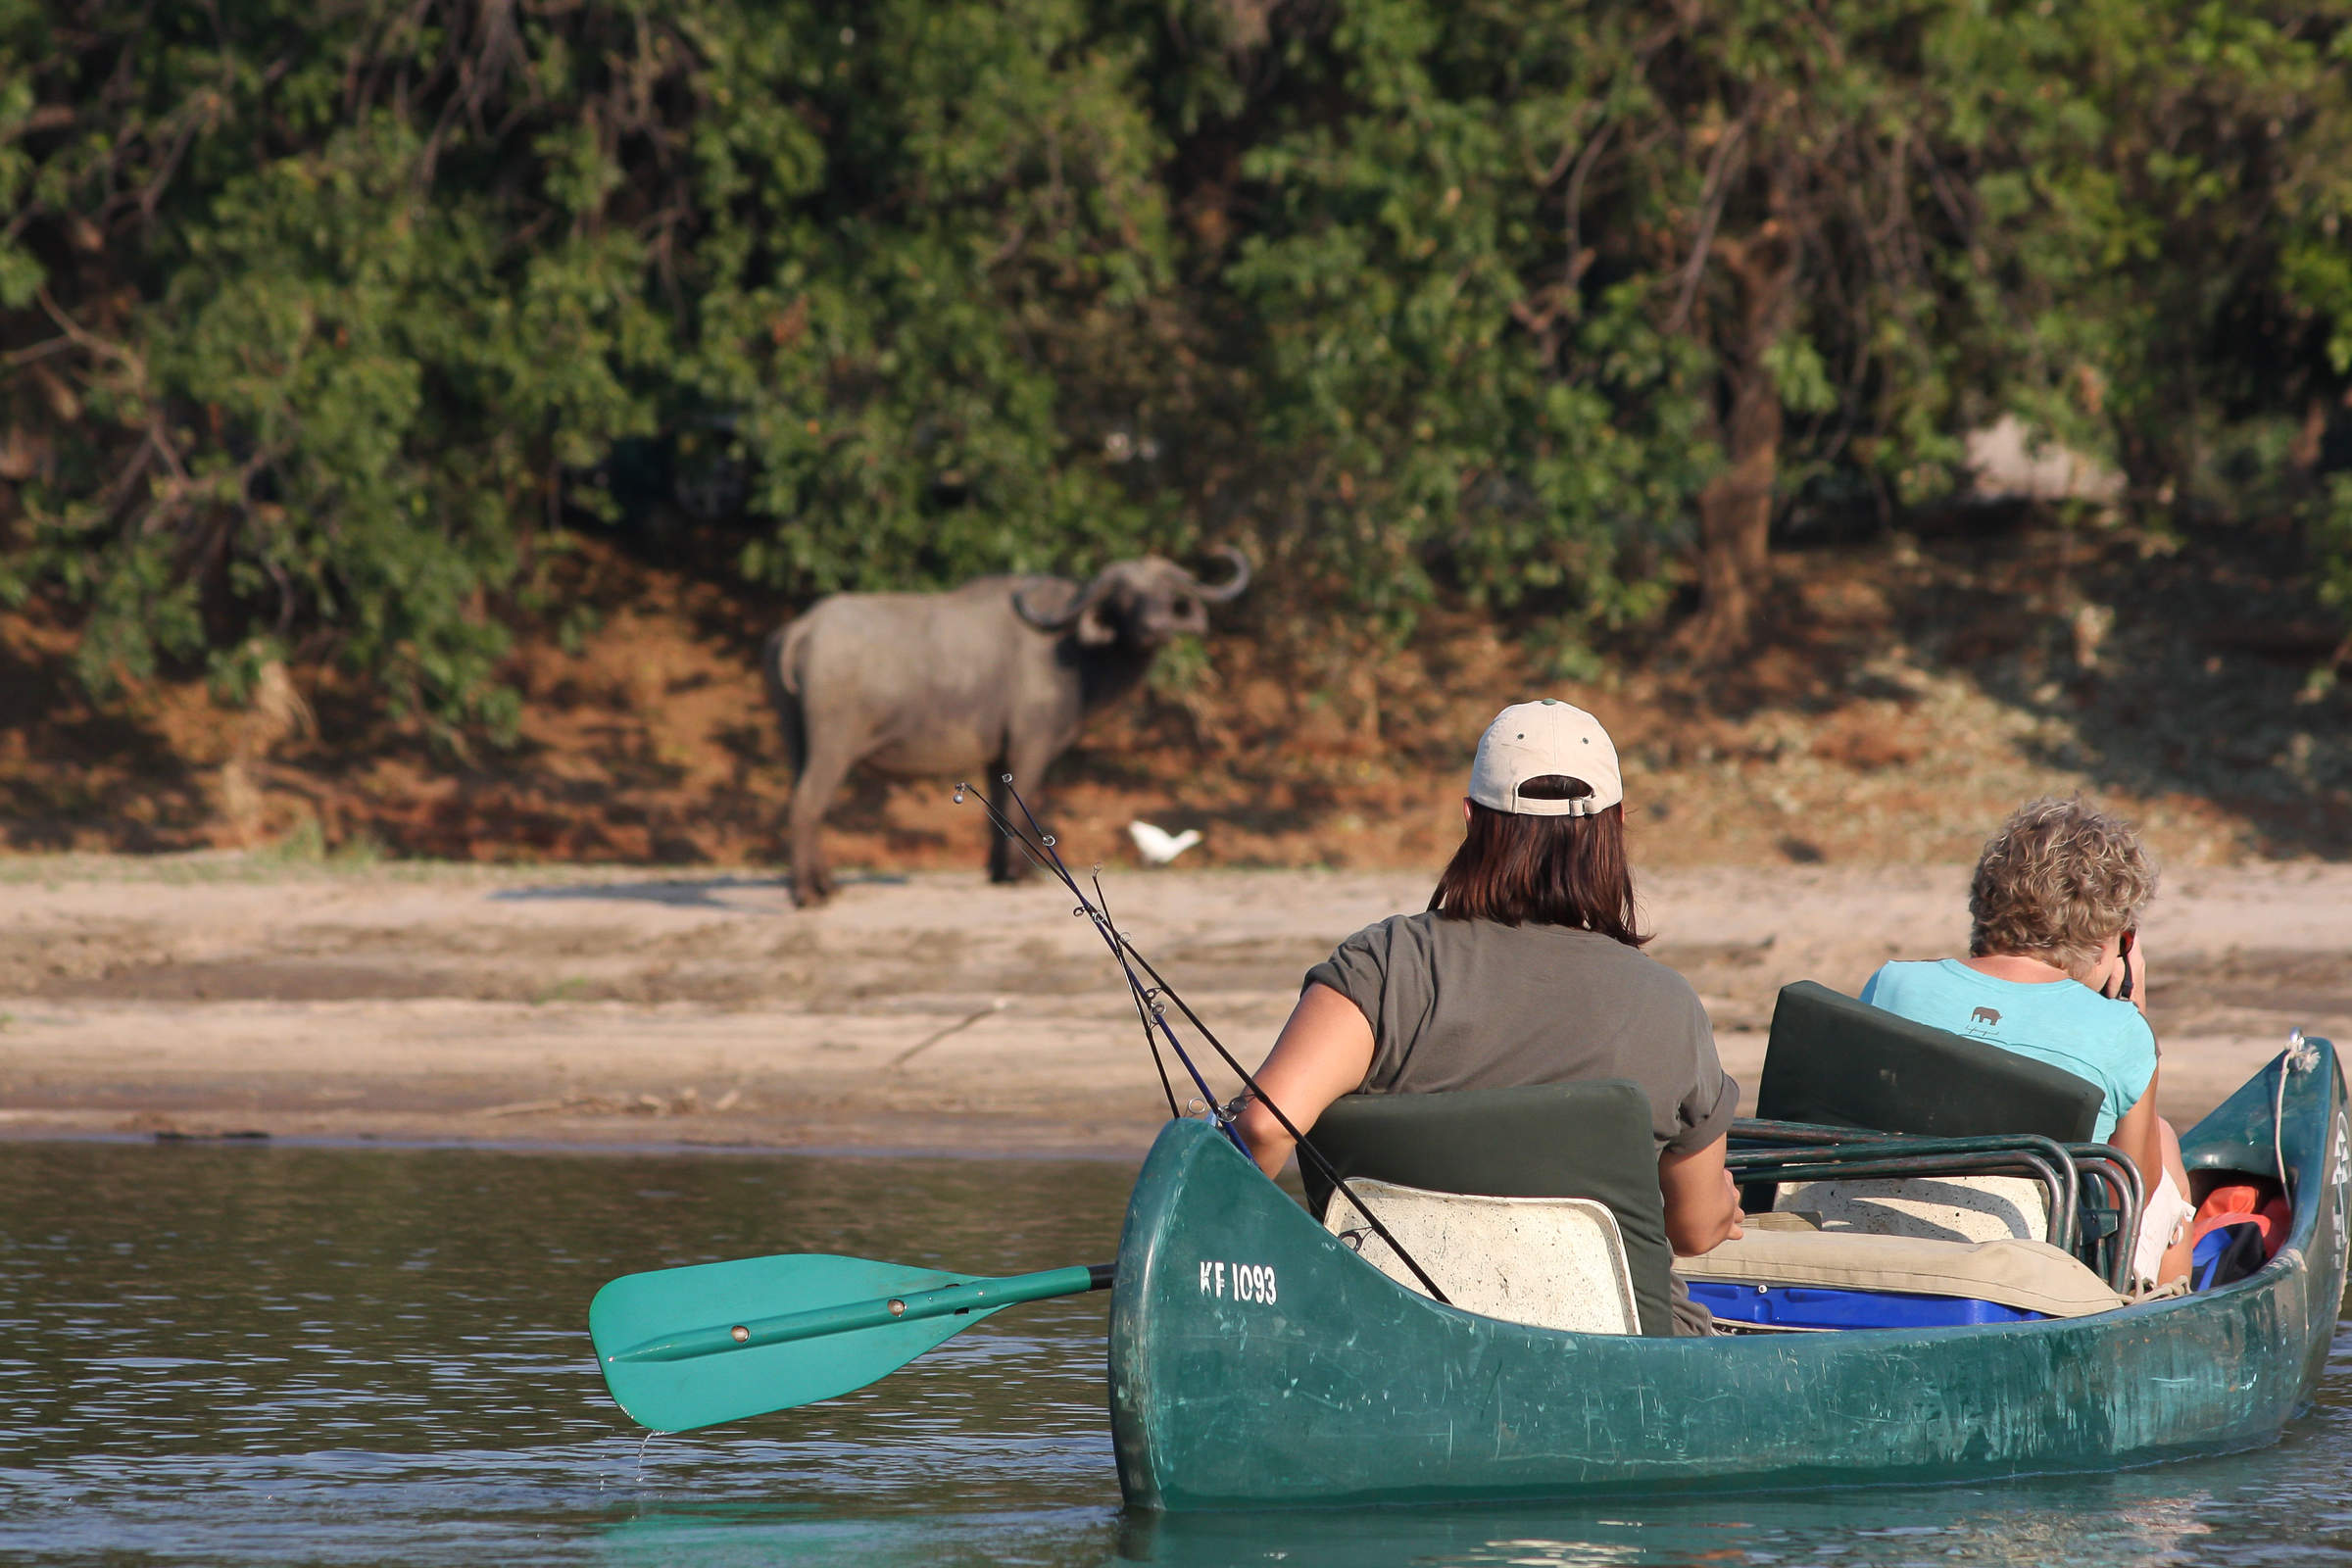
996 676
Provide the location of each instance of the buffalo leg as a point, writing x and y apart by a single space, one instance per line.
782 695
1027 766
811 880
1006 863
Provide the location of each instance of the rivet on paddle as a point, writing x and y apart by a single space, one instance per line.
742 1334
898 1308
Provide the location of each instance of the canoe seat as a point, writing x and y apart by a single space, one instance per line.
1589 1140
2027 1276
1555 1262
1840 1062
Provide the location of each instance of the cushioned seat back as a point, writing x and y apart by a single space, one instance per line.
1582 1140
1555 1262
1841 1062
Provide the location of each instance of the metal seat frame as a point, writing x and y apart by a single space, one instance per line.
2100 1234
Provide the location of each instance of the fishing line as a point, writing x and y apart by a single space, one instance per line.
1158 1066
1136 992
1308 1154
1123 950
1103 927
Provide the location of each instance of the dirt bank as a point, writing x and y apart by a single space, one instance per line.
1906 692
230 993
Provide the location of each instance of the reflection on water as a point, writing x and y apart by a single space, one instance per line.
283 1355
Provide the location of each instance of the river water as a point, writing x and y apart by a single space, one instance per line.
227 1354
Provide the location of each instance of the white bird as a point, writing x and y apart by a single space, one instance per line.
1157 845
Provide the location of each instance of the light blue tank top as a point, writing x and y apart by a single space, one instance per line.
2062 1022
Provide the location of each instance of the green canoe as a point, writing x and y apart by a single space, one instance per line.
1258 1361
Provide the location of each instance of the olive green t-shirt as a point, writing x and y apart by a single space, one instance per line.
1476 1004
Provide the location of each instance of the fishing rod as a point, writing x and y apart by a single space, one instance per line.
1043 853
689 1346
1141 1015
1148 1007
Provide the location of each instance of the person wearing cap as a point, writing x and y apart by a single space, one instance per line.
2055 972
1526 969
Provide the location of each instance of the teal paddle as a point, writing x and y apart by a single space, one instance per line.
685 1347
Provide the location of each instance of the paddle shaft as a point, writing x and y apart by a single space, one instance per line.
971 1296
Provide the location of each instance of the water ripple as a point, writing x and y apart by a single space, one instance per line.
305 1356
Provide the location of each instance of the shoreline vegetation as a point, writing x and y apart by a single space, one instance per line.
411 418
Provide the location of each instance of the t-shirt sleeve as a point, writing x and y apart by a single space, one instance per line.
2131 1064
1385 973
1355 969
1704 1122
1364 970
1706 1109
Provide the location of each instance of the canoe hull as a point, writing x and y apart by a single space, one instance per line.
1255 1361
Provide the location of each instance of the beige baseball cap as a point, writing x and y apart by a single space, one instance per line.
1532 740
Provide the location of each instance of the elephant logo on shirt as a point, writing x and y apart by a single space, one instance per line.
1989 1018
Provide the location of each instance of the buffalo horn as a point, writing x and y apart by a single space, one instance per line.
1078 605
1231 587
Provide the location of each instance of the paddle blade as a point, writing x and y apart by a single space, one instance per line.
677 1395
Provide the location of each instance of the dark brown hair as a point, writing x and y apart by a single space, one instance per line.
1542 870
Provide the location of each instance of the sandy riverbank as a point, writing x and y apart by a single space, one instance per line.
930 1013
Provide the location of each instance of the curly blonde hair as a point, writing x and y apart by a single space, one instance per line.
2057 883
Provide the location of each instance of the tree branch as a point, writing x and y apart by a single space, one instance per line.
1713 193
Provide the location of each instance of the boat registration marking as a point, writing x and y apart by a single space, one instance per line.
1244 1282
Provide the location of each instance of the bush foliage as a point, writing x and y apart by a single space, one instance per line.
324 325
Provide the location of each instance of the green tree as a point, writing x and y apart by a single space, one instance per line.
1461 416
313 320
331 331
313 313
928 244
1758 246
2158 249
1561 278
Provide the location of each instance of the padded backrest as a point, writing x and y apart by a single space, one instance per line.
1555 1262
1580 1140
1845 1062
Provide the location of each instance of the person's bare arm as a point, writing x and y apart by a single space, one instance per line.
1702 1202
2154 1148
2139 1132
1323 1053
2181 1253
2136 1135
